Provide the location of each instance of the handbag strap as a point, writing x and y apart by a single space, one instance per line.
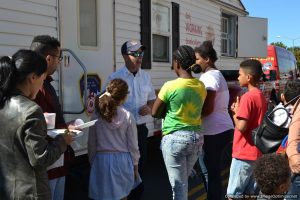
284 106
296 105
294 99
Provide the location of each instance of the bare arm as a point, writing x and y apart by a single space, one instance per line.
294 140
209 103
240 124
159 109
150 103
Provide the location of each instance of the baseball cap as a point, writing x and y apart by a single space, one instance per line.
131 46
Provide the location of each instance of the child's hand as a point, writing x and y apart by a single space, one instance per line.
235 105
136 172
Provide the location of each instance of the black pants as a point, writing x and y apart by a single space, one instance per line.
213 147
142 131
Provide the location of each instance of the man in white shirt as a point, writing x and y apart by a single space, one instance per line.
141 92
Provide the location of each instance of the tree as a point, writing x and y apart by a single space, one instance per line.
280 44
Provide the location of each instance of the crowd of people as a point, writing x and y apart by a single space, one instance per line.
196 125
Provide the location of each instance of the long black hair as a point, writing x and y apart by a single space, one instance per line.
15 70
185 55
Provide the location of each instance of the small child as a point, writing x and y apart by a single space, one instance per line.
272 174
248 112
291 92
113 145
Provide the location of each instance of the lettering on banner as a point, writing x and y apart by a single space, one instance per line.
192 28
195 31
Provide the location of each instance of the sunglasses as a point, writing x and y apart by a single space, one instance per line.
136 54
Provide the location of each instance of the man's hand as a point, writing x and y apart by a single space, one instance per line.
145 110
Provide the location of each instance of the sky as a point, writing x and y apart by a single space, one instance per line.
283 18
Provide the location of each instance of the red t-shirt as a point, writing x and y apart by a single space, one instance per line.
252 108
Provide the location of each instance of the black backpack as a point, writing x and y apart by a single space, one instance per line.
268 136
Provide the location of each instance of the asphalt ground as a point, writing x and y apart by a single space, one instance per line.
157 186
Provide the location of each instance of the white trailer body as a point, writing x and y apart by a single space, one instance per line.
94 31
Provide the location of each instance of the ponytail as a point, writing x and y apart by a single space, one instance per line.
7 79
107 103
206 50
106 107
15 71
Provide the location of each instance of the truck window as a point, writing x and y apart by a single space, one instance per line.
286 63
88 21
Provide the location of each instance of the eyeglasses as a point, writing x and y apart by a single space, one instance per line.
136 54
59 57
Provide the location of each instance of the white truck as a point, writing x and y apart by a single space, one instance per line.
92 32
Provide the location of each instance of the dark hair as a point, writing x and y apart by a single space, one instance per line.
44 44
106 105
185 55
270 171
206 50
252 67
291 90
16 69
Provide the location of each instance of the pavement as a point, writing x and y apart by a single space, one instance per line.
157 186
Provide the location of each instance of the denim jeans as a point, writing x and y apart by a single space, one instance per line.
294 190
180 151
57 187
204 173
241 179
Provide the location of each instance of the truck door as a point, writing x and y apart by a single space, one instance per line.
86 31
252 37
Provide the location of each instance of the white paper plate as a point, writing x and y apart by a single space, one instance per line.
54 132
86 125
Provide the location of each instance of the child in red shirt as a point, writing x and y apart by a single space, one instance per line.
248 112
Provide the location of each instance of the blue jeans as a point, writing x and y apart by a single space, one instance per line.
294 190
204 173
57 187
241 180
180 151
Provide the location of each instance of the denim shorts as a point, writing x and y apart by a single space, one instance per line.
241 179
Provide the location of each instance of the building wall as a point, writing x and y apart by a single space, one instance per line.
127 25
20 20
200 20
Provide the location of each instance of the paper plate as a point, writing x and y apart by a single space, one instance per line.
54 132
86 125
